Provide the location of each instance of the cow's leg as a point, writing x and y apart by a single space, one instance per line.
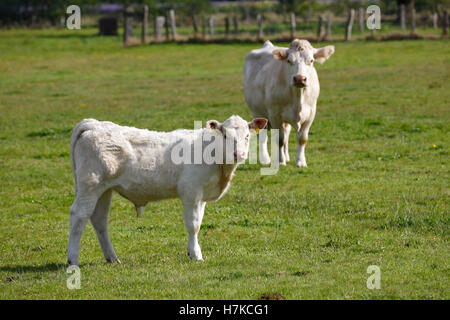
80 212
277 124
287 130
193 215
264 157
282 155
302 139
100 222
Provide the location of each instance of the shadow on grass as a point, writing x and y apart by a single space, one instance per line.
34 268
68 36
48 267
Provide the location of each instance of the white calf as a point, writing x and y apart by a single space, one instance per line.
138 164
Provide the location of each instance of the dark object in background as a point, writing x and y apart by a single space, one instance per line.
107 26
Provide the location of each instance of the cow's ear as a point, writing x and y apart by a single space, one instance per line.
214 125
257 124
322 54
280 54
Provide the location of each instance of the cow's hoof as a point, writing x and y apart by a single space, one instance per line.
264 160
195 254
197 257
302 165
283 163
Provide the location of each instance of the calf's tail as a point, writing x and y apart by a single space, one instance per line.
80 128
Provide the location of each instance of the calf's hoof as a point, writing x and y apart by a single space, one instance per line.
72 263
113 260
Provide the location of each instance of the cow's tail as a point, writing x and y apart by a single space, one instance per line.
80 128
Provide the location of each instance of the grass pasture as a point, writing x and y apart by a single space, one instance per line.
376 191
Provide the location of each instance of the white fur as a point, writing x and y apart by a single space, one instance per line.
270 92
137 164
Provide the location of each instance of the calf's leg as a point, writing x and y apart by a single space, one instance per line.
100 222
193 215
80 211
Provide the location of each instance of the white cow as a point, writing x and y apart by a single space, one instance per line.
138 164
281 84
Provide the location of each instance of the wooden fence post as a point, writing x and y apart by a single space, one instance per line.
211 26
246 13
445 23
204 27
259 23
320 28
361 20
227 27
435 20
292 25
159 25
166 25
348 29
144 24
235 25
413 20
402 17
330 21
195 25
127 26
173 24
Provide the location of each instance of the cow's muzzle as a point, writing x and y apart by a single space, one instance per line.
299 81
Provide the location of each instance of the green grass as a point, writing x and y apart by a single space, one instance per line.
376 191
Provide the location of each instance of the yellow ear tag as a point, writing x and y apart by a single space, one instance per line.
257 130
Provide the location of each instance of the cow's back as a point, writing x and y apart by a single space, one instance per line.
255 62
260 73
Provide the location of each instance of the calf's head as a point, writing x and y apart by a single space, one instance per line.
236 135
300 57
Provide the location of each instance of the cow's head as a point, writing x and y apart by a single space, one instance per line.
236 134
300 57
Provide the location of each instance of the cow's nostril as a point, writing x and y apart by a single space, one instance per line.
300 80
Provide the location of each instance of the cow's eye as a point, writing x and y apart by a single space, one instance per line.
246 138
290 62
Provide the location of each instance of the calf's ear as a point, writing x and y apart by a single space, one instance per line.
322 54
214 124
257 124
280 54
